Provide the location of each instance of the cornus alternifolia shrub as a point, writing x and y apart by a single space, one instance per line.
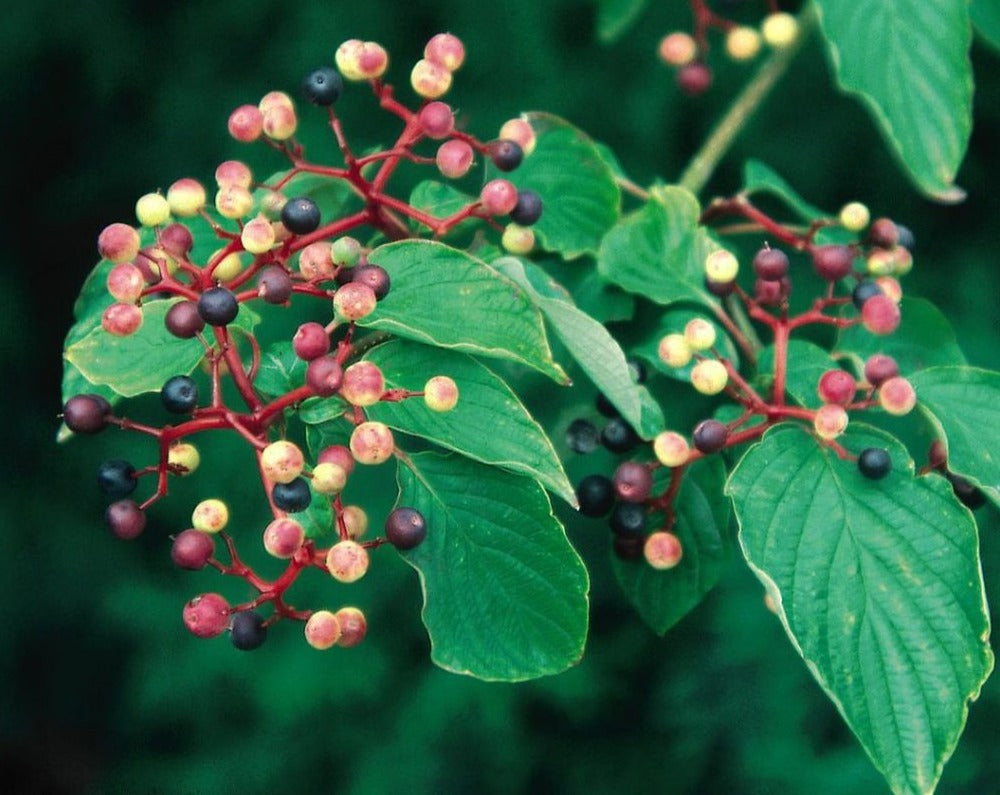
742 376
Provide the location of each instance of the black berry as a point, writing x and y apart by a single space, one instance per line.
618 436
218 306
274 284
292 497
179 394
874 463
125 519
86 413
528 208
374 276
771 264
637 370
968 495
116 478
596 495
863 291
710 436
506 155
247 630
628 519
300 215
405 528
322 86
582 436
184 319
628 547
605 406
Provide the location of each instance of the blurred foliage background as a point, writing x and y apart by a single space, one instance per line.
103 689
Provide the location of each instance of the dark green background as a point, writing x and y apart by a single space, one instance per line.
105 691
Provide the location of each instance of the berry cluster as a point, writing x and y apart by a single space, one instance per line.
861 288
688 52
278 249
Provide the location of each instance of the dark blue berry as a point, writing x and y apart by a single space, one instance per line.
323 86
618 436
218 306
605 406
505 154
863 291
904 237
628 519
292 497
528 208
582 436
179 394
874 463
247 630
596 495
300 215
116 478
710 436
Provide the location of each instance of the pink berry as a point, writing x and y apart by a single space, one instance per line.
836 386
316 261
879 368
337 454
662 550
191 549
233 172
353 626
354 301
347 561
125 282
283 537
118 243
207 615
832 262
311 341
445 49
880 315
830 421
454 159
498 196
437 120
430 80
694 78
897 396
363 384
246 123
121 319
322 630
372 443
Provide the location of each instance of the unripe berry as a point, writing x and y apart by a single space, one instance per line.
354 301
674 350
699 334
694 78
322 630
677 49
521 131
183 320
363 384
890 287
454 158
836 386
430 80
125 282
324 375
671 449
347 561
353 626
246 123
709 436
445 49
721 266
618 436
880 315
125 519
874 463
191 549
372 443
662 550
440 393
207 615
709 376
280 122
596 495
372 61
233 201
879 368
310 341
183 458
152 209
121 319
830 421
780 30
770 264
881 262
832 262
210 516
86 413
233 173
632 481
282 461
517 239
337 454
883 233
348 57
345 251
247 630
902 260
854 216
506 155
897 396
375 276
437 120
742 43
498 197
118 243
328 479
405 528
218 306
322 86
186 197
355 521
283 537
293 496
257 235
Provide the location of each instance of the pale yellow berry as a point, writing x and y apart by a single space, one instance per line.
674 350
430 80
854 216
662 550
328 478
257 235
210 516
282 461
184 456
355 520
709 376
517 239
152 209
441 393
742 43
521 132
347 561
186 197
699 334
671 449
233 201
780 30
721 266
830 421
228 267
677 49
322 630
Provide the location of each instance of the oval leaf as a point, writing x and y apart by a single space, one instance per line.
878 584
505 595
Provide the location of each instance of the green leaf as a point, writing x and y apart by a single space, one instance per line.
986 19
702 512
908 62
806 363
673 321
318 519
658 251
761 178
590 344
578 190
963 404
280 370
614 17
142 361
879 587
489 424
924 338
505 595
441 201
445 297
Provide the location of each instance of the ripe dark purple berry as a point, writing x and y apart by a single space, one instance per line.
323 86
300 215
125 519
179 394
968 495
771 264
274 284
247 630
86 413
632 481
184 320
874 463
618 436
405 528
628 519
192 549
324 375
720 289
596 495
883 233
864 290
528 208
292 497
694 78
506 154
605 406
709 436
374 276
832 262
218 306
582 436
629 547
116 478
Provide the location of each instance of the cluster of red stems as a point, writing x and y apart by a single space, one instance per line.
278 249
870 265
688 53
